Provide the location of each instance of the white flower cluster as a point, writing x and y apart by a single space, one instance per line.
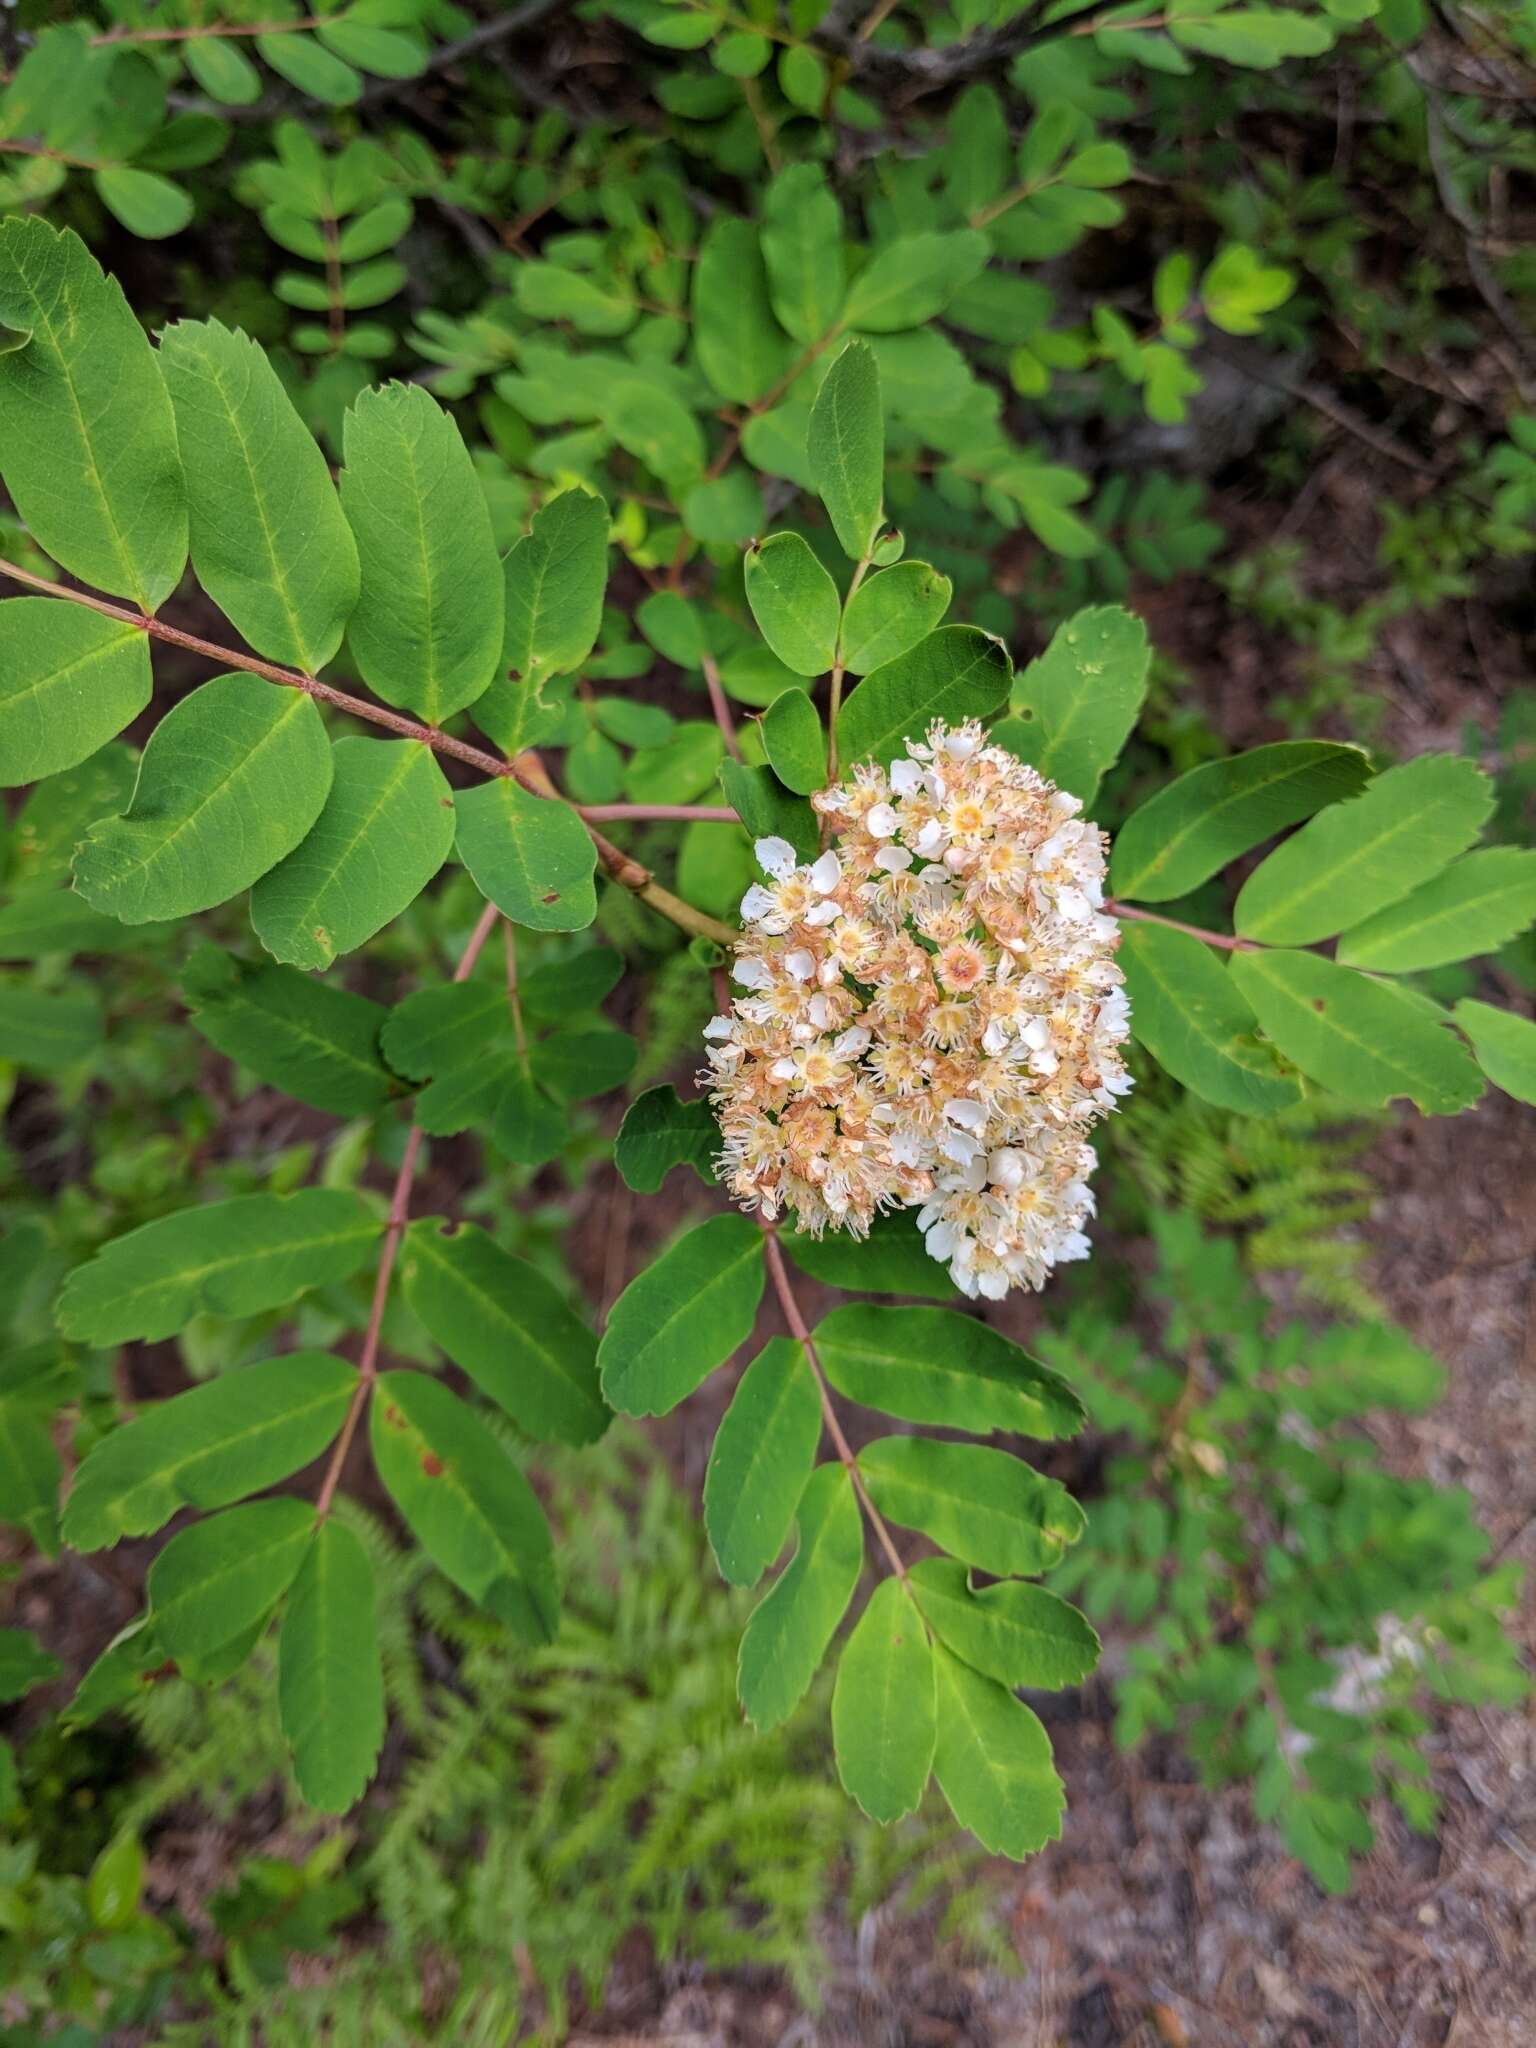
932 1015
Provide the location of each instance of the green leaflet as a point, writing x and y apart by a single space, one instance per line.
40 921
23 1663
958 672
468 1505
270 543
69 680
1196 1021
223 70
531 855
330 1681
794 601
1361 1039
312 68
797 1617
1505 1046
223 1576
934 1365
1188 831
735 336
231 780
318 1043
502 1322
88 439
427 632
890 613
208 1447
802 248
1079 701
983 1505
885 1707
231 1258
56 814
554 580
1474 906
1356 857
845 444
385 829
683 1316
29 1477
661 1131
1016 1633
46 1031
763 1453
912 279
795 742
574 1065
993 1763
767 809
891 1260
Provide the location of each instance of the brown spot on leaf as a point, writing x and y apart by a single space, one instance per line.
432 1465
1318 1003
392 1416
552 897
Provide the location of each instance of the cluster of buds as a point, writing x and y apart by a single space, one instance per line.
932 1015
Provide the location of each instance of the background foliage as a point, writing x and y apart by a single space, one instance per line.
565 395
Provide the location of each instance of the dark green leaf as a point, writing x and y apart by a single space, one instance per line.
845 443
270 542
502 1322
223 1576
1016 1633
763 1453
795 742
659 1132
214 1444
330 1682
985 1506
890 613
957 673
797 1617
385 829
993 1763
934 1365
531 855
468 1505
794 602
884 1707
317 1043
683 1316
231 1258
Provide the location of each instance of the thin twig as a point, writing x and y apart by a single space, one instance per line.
839 670
394 1230
1224 940
711 814
719 706
779 1274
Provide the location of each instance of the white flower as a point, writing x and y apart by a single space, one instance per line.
934 1038
775 857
